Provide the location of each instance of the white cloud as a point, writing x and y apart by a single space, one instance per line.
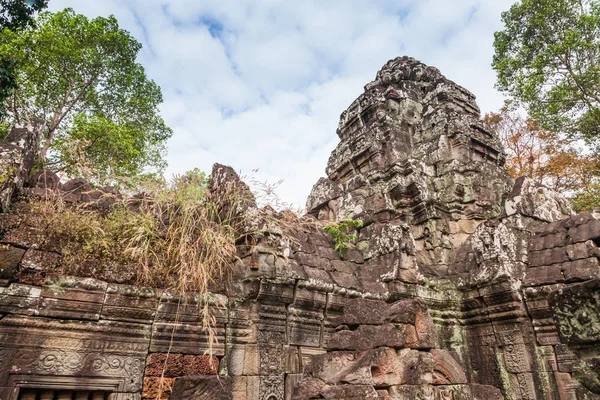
261 84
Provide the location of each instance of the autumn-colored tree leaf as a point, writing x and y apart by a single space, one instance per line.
547 157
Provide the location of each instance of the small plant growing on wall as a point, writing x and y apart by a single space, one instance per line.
344 234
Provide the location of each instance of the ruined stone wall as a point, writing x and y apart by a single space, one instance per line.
463 283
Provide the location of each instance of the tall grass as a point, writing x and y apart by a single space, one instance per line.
177 235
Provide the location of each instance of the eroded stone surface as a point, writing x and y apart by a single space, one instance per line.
462 284
405 144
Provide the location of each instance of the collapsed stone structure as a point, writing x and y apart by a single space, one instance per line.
463 284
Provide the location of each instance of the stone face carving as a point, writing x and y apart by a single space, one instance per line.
462 284
576 312
405 143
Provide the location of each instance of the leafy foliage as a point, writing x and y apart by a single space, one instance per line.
14 15
18 14
107 152
81 75
343 234
8 81
588 197
547 58
173 236
548 158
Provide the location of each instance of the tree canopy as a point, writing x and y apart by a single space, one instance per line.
18 14
82 77
548 158
547 59
14 15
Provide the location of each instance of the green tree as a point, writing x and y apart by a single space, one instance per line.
14 15
8 81
18 14
547 59
101 110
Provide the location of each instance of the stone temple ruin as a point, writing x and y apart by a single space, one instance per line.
463 283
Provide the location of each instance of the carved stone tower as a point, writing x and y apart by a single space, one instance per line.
413 148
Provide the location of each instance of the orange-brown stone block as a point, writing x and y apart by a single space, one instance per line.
157 388
171 364
200 365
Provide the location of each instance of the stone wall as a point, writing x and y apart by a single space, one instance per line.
463 283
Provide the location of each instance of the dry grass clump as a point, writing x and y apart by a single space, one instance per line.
91 243
177 235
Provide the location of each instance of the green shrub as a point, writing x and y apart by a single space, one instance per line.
344 234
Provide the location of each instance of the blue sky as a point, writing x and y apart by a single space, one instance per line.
260 84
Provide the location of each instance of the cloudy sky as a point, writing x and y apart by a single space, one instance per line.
260 84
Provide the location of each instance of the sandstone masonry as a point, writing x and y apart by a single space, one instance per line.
463 284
